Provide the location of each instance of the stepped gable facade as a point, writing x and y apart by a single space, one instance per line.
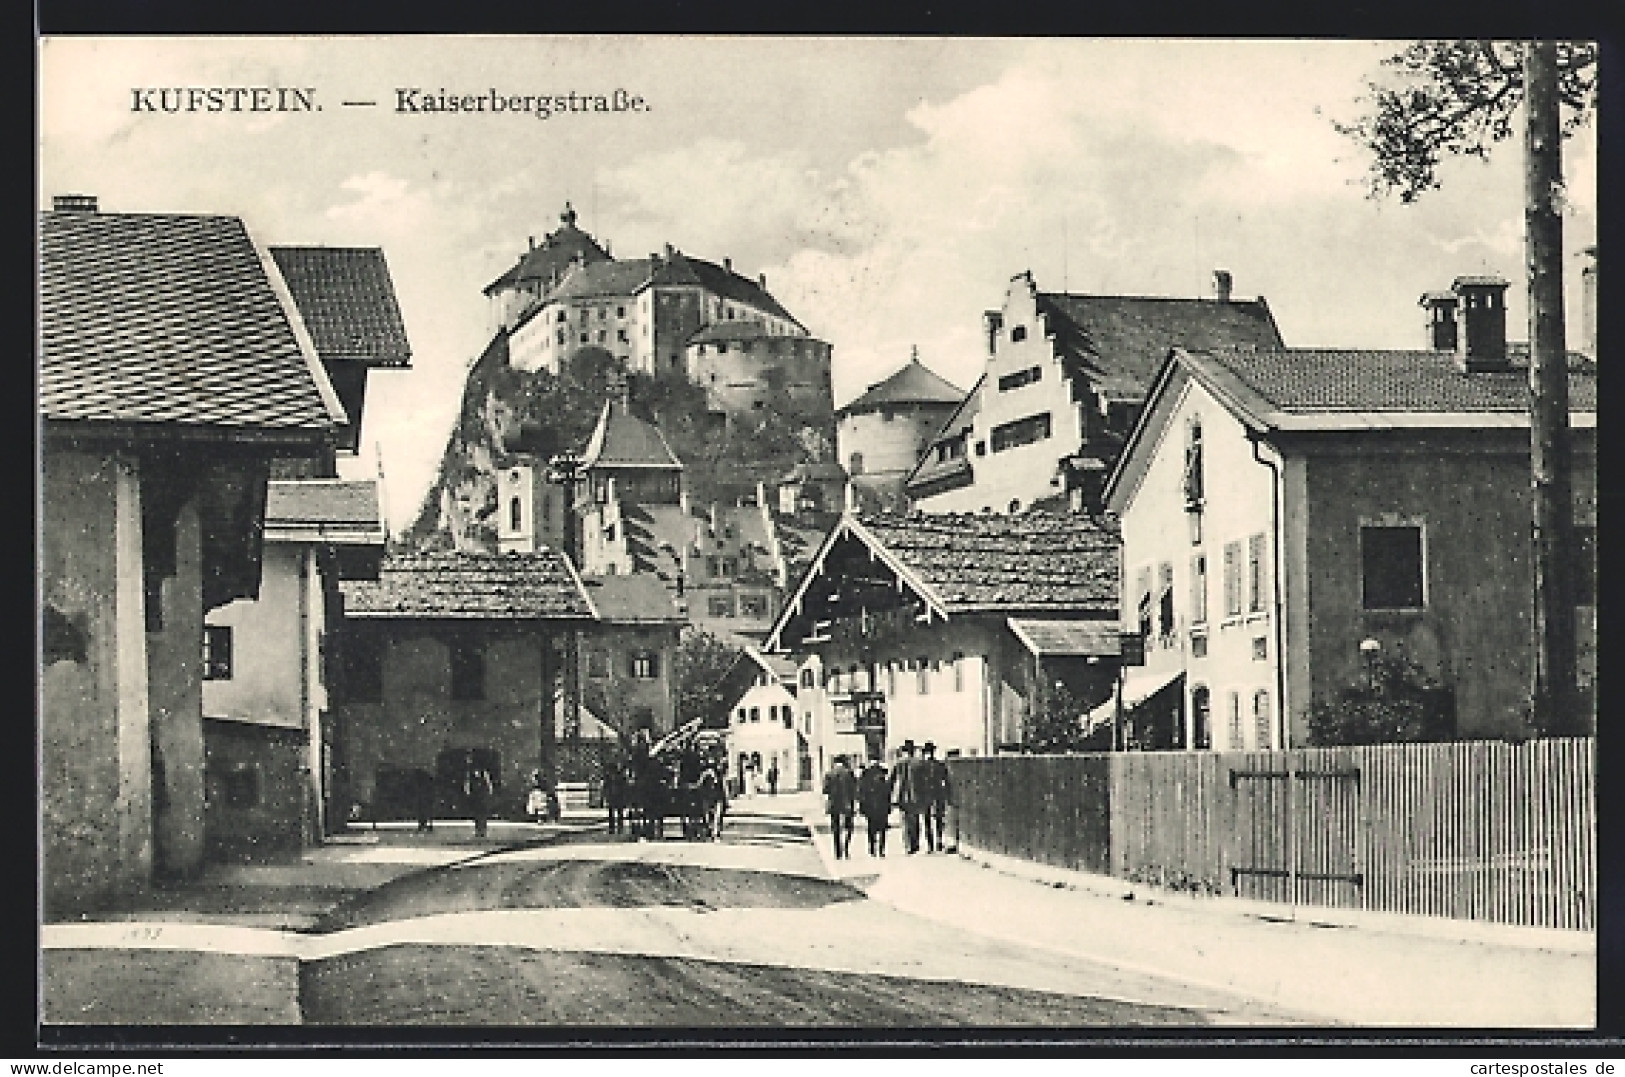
1064 380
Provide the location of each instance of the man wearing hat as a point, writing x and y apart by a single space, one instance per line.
907 794
935 788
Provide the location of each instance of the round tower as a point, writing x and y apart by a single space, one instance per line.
881 434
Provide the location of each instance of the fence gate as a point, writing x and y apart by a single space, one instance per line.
1296 828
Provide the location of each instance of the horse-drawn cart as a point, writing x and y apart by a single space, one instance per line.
679 775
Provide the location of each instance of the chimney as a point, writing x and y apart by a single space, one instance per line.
1221 285
727 264
670 250
532 241
992 322
1481 336
74 203
762 277
1588 303
1441 327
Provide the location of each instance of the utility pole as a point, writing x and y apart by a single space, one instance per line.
1555 697
565 469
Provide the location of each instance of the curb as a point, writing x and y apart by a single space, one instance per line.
1432 927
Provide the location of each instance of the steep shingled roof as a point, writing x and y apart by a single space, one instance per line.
347 301
1305 380
1126 338
913 383
173 319
621 439
638 598
605 278
1027 562
324 503
680 268
626 277
548 260
739 330
468 586
930 469
1043 636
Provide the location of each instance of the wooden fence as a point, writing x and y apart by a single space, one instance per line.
1471 830
1048 808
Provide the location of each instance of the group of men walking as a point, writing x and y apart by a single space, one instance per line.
916 786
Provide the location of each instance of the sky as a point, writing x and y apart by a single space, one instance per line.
888 188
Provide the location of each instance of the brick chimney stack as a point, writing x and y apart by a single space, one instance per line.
1221 285
1441 320
992 323
1481 335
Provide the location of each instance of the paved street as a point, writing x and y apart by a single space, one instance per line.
572 928
564 925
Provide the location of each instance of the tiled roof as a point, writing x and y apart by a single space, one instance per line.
347 301
548 260
621 439
1126 338
1098 638
159 318
1027 562
650 529
605 278
955 469
1303 380
469 586
680 268
321 502
737 330
752 658
915 383
639 598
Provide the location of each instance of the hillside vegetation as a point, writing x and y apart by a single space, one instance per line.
507 412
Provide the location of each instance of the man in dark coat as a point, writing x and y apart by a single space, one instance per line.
937 796
840 799
874 801
615 794
907 793
478 787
